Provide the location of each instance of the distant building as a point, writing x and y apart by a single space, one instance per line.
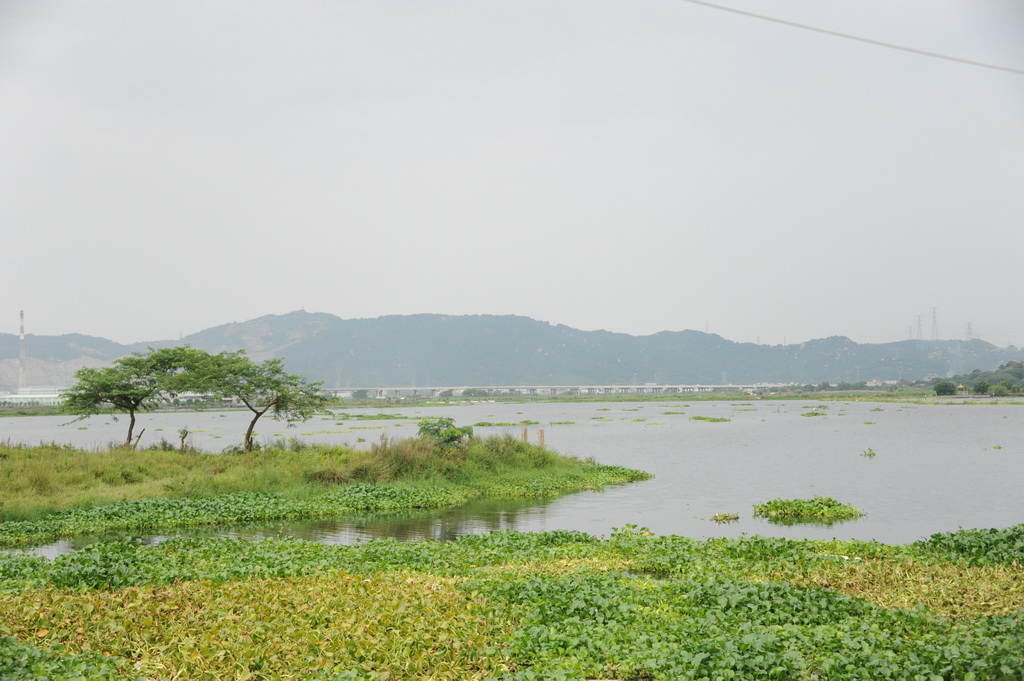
33 396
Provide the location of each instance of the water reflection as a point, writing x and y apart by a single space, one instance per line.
791 522
477 517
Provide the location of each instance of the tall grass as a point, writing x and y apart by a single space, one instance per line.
39 480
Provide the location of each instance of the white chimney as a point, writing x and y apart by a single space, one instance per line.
22 362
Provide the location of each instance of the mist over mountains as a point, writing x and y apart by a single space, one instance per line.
482 350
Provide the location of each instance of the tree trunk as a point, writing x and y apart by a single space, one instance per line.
131 427
247 442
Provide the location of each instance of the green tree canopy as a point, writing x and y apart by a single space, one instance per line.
135 383
444 432
144 381
945 388
263 388
1003 388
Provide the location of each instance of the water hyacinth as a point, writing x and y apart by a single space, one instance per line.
511 605
817 509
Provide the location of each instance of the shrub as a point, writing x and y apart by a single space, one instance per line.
444 432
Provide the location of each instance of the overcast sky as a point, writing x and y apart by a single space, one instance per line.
630 166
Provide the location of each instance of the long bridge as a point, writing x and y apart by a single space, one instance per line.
549 390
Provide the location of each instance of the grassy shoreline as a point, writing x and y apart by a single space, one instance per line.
55 492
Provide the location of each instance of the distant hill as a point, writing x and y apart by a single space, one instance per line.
433 349
53 360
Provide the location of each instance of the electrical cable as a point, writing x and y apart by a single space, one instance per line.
870 41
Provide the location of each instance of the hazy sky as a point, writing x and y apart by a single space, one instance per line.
631 166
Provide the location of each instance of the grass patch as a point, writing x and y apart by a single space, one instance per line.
487 424
711 419
369 417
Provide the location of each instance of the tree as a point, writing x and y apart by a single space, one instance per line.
476 392
981 388
1002 389
263 388
945 388
135 383
444 432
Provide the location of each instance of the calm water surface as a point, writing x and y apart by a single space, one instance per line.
937 467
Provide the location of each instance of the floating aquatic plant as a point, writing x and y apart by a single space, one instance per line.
818 509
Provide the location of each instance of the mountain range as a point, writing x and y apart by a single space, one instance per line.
482 350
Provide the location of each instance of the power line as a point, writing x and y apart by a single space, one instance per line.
870 41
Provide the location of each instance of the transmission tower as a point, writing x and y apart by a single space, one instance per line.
935 325
920 336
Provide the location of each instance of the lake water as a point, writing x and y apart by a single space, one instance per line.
937 467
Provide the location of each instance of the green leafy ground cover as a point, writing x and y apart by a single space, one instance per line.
817 509
553 605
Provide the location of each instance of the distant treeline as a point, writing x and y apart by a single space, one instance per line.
1006 380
